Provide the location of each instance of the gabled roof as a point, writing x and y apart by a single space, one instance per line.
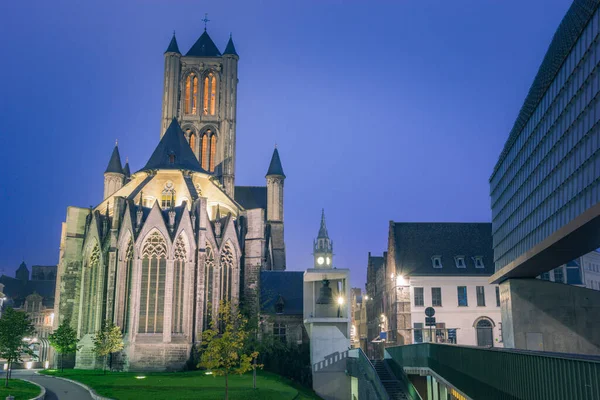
114 164
278 286
275 167
230 48
416 244
173 48
173 152
570 29
204 47
251 197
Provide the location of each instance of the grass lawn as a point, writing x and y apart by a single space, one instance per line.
21 390
186 385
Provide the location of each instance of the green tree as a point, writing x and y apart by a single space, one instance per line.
14 327
108 340
64 340
224 350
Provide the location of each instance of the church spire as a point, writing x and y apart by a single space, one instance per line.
114 164
173 48
230 48
323 228
275 167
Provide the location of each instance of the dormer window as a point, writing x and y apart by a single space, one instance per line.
460 262
168 196
478 262
279 305
171 158
436 261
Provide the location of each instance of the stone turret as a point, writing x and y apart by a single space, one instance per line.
114 177
171 84
275 180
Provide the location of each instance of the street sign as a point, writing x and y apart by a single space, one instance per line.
429 311
430 321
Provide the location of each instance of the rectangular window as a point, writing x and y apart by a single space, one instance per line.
462 296
460 262
436 297
418 332
558 275
480 296
497 296
419 297
279 331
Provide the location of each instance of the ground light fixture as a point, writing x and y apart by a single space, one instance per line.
140 377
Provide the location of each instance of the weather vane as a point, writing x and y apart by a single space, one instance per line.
205 20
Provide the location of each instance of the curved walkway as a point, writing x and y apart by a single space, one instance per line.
55 388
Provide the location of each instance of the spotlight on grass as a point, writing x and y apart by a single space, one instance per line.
208 373
140 377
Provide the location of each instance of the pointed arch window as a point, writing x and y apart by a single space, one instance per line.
123 311
168 196
91 292
209 266
210 94
227 263
213 151
152 286
191 94
178 280
192 139
208 150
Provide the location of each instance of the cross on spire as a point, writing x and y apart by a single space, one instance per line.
205 20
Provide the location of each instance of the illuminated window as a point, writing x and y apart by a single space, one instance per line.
210 94
191 94
204 151
213 151
178 285
152 296
192 138
168 196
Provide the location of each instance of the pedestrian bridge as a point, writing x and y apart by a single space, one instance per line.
447 372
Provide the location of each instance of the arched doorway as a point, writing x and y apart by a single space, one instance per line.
485 333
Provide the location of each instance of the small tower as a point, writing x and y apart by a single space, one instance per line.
127 171
275 179
114 176
171 84
22 272
323 247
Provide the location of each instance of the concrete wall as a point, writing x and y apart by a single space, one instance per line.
548 316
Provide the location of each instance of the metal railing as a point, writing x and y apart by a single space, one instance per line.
505 373
359 363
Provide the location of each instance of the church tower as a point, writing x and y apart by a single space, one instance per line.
200 90
323 247
114 177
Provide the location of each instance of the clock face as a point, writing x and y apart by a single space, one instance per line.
328 260
320 260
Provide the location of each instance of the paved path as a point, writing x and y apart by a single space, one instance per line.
56 389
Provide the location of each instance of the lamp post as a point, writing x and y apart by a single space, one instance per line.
340 301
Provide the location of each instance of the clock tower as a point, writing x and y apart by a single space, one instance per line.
323 247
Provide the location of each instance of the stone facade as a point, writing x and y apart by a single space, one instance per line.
172 240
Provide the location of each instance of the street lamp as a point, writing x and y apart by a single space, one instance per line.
340 301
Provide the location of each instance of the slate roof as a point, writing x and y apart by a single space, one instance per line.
126 170
114 164
251 197
230 48
173 143
275 167
173 48
565 37
289 285
416 243
204 47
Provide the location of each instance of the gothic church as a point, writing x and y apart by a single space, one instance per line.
171 240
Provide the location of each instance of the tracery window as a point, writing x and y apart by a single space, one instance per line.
192 139
91 292
210 94
191 94
125 288
178 284
152 297
168 196
209 266
227 263
208 151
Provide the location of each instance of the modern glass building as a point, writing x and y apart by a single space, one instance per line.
545 187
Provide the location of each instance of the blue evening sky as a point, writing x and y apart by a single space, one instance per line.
381 110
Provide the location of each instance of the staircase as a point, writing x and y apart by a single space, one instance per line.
393 386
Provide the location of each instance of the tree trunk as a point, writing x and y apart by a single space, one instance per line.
226 387
254 374
7 369
110 360
104 366
62 356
